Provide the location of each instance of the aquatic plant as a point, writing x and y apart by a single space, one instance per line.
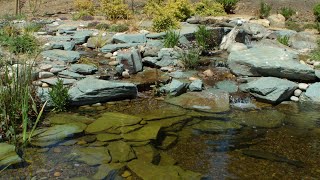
171 39
59 96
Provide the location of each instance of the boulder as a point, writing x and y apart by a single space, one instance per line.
312 94
269 61
61 55
209 101
303 40
263 22
91 155
112 120
120 152
129 38
257 31
167 57
131 60
110 48
81 37
91 90
196 85
228 86
270 89
68 46
237 47
83 68
8 155
177 87
277 20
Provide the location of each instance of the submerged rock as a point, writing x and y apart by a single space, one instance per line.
163 113
65 118
228 86
208 101
91 155
8 155
112 120
270 89
150 171
121 152
214 126
147 153
109 171
91 90
269 61
145 133
57 133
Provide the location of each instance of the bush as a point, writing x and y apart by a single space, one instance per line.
59 96
171 39
190 58
181 9
32 27
103 26
228 5
205 38
84 5
164 22
283 40
287 12
265 9
23 44
209 8
119 28
115 9
83 15
316 12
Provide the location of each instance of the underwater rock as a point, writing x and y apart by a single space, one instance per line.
57 133
91 155
150 171
109 171
145 133
166 160
213 126
108 137
228 86
163 113
112 120
65 118
8 155
120 152
168 142
147 153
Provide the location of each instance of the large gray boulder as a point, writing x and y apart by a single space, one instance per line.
91 90
269 61
66 56
270 89
131 60
303 40
129 38
312 94
257 31
81 37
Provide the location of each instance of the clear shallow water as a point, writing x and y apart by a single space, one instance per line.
287 147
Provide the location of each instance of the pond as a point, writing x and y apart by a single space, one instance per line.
280 142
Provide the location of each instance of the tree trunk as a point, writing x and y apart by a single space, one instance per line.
17 7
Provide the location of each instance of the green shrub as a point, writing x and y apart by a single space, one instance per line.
115 9
209 8
316 12
84 5
287 12
228 5
24 43
171 39
11 17
205 38
190 58
103 26
265 9
318 28
32 27
119 28
315 55
164 22
59 96
181 9
283 40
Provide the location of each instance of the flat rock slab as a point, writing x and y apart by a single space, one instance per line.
66 56
112 120
215 126
150 171
208 101
121 152
65 118
53 81
313 93
83 68
92 155
57 133
270 89
91 90
129 38
114 47
8 155
148 132
269 61
70 74
163 113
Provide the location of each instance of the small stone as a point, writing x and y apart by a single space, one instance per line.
208 73
113 63
303 86
96 104
57 174
45 85
108 55
113 58
126 174
294 98
192 78
37 83
302 62
125 74
56 150
115 53
297 92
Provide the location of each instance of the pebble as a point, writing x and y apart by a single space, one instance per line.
108 55
208 73
303 86
56 150
113 58
96 104
302 62
45 85
45 75
297 92
294 98
316 63
37 83
193 78
85 45
57 174
166 69
114 63
115 53
125 74
126 174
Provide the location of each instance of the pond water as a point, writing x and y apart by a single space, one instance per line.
280 142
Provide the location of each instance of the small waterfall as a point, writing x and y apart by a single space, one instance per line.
242 103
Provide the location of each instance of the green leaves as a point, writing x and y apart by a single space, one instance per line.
59 96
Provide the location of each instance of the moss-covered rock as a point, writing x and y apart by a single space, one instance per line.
8 155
